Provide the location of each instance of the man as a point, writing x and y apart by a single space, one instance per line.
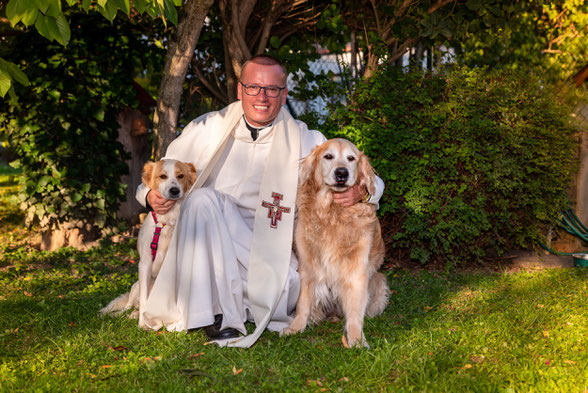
230 259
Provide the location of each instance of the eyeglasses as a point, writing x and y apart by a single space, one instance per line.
270 91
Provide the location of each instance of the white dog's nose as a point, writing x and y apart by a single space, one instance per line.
174 192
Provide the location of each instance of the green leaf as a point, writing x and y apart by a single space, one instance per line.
109 10
140 5
171 13
5 83
54 8
76 197
63 31
16 10
42 5
86 5
275 42
123 5
30 17
42 26
15 72
100 204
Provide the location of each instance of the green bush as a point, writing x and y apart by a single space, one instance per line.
475 161
63 127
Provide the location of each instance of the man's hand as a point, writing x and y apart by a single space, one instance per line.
159 204
349 197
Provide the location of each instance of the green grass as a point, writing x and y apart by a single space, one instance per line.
442 332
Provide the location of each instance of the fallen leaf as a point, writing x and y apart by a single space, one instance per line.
344 379
548 362
477 359
545 333
131 260
427 308
72 324
467 365
344 340
27 293
237 372
569 362
540 306
106 366
160 332
195 355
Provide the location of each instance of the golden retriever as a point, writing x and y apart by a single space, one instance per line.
172 179
339 248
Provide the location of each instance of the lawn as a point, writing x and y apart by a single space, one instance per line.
442 332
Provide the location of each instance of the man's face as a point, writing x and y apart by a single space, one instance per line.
261 109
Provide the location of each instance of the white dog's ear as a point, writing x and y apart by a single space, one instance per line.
192 172
366 174
147 173
308 166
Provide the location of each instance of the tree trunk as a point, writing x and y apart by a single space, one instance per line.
179 54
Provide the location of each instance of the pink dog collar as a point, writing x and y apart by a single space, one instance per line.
156 234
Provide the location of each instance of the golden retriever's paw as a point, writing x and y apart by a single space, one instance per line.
290 330
134 314
355 342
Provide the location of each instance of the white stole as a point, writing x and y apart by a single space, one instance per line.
271 245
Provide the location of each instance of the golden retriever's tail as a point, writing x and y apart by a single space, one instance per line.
378 294
116 306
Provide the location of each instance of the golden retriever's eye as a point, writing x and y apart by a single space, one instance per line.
180 176
163 176
328 156
350 158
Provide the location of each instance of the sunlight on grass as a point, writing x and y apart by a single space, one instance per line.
442 332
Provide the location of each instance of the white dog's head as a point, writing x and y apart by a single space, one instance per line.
170 177
337 164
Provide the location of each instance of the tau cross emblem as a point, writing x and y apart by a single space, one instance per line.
275 210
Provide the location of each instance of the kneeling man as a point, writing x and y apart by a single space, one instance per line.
230 259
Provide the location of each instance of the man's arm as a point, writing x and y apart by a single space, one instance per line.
153 200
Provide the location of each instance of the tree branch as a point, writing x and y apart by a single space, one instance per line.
216 92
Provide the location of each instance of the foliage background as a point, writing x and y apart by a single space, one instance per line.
475 161
63 126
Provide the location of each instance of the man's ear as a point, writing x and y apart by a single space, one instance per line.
284 96
147 173
239 87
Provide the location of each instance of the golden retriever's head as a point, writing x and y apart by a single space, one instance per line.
337 164
170 177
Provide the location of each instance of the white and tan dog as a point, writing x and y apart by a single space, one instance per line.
339 248
173 180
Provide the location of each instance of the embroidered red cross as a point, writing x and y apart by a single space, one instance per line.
275 210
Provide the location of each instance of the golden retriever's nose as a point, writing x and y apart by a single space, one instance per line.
341 175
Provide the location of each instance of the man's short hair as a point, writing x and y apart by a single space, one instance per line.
265 59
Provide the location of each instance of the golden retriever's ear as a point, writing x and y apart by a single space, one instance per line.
308 167
147 173
192 172
366 174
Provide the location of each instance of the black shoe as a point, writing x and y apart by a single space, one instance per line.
214 332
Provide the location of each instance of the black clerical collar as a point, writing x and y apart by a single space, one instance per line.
254 130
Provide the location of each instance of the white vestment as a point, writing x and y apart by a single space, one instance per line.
207 272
